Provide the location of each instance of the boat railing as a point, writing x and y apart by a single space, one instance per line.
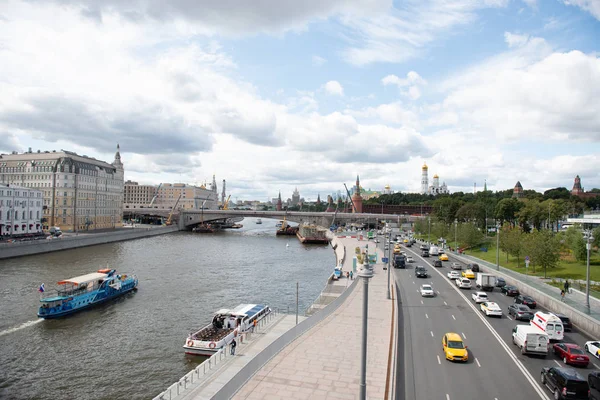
196 376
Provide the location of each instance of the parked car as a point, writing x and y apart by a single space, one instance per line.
500 282
594 383
566 321
479 297
437 263
456 266
463 283
473 267
593 347
520 311
571 354
509 290
565 383
527 300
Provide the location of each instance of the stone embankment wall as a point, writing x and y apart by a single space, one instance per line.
19 249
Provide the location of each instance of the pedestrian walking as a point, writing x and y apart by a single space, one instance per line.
254 323
351 275
233 346
567 286
562 295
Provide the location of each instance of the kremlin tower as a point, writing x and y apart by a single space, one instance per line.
424 179
279 205
356 198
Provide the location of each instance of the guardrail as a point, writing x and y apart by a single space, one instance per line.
197 375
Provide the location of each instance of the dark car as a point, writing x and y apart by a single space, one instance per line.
473 267
520 311
399 261
420 271
594 383
425 253
527 300
500 282
566 321
437 263
565 383
509 290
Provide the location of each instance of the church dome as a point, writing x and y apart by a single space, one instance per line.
424 167
387 187
435 176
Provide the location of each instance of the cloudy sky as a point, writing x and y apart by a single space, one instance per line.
273 94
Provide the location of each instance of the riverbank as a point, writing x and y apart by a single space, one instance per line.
76 240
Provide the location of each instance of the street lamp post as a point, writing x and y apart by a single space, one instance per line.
456 235
429 231
498 247
389 264
587 274
365 274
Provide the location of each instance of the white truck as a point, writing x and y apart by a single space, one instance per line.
485 282
434 251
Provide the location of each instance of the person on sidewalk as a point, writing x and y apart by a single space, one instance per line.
562 295
351 275
566 286
233 346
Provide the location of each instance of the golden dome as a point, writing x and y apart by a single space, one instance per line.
387 187
424 167
435 176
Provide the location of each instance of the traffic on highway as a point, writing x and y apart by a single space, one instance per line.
484 322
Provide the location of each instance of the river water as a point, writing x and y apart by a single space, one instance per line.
131 348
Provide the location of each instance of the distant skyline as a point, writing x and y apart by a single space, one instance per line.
276 94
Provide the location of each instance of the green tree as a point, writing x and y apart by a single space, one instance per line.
506 210
543 248
596 234
575 242
557 193
469 235
513 239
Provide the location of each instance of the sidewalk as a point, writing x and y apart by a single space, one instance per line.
325 362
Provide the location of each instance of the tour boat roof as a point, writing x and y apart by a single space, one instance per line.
84 278
247 310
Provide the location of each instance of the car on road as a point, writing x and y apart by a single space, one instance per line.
463 283
473 267
491 309
593 347
500 282
594 382
527 300
441 251
454 348
437 263
468 274
565 383
571 354
427 291
410 259
566 321
443 257
520 312
421 271
424 247
453 275
479 297
456 266
509 290
425 253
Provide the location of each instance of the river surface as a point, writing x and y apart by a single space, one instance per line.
131 348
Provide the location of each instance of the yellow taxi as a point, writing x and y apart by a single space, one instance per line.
397 250
454 348
443 257
468 274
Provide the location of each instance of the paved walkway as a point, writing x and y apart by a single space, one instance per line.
324 363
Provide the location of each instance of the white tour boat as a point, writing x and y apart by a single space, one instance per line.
225 326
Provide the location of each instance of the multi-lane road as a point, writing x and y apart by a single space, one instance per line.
496 370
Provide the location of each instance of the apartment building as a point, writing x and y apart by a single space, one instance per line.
20 210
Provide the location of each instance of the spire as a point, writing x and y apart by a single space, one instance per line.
319 198
484 185
357 185
117 163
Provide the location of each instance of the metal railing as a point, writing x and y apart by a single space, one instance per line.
193 378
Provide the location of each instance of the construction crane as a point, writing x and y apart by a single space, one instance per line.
169 222
226 204
155 196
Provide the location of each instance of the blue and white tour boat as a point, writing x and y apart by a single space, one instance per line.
81 292
225 326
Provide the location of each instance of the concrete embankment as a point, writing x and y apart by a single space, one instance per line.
19 249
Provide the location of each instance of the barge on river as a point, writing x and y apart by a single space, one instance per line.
81 292
312 234
225 326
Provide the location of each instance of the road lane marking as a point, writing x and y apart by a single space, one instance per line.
426 316
464 335
445 303
508 316
439 361
538 389
438 292
447 396
413 282
559 364
431 333
422 302
596 365
477 361
453 317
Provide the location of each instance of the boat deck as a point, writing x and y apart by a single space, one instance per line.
212 334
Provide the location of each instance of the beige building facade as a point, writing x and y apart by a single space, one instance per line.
20 210
79 192
170 196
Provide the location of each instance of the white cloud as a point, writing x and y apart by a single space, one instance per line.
591 6
318 61
413 80
515 40
334 88
531 3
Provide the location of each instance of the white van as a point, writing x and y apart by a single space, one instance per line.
550 324
434 251
531 340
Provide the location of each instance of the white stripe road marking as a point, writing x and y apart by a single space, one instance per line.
438 292
559 364
447 396
431 333
426 316
422 302
445 303
596 365
477 361
536 386
508 316
439 361
464 335
454 318
413 282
